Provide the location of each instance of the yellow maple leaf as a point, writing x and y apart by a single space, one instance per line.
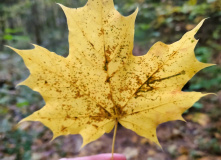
101 83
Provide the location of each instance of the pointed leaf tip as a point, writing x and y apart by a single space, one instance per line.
196 29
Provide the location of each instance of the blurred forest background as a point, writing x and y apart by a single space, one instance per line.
43 22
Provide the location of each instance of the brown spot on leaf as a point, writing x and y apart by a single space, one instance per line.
63 128
101 32
95 126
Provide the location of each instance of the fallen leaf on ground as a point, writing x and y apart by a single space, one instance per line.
201 118
182 157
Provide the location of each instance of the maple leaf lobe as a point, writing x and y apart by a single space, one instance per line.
101 81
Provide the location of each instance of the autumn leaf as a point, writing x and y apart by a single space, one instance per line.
101 83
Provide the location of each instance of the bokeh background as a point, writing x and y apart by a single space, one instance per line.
43 22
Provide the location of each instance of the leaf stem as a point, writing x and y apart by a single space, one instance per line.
114 137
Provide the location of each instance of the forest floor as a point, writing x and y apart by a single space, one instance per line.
197 139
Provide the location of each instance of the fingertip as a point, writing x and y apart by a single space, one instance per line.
119 157
108 156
